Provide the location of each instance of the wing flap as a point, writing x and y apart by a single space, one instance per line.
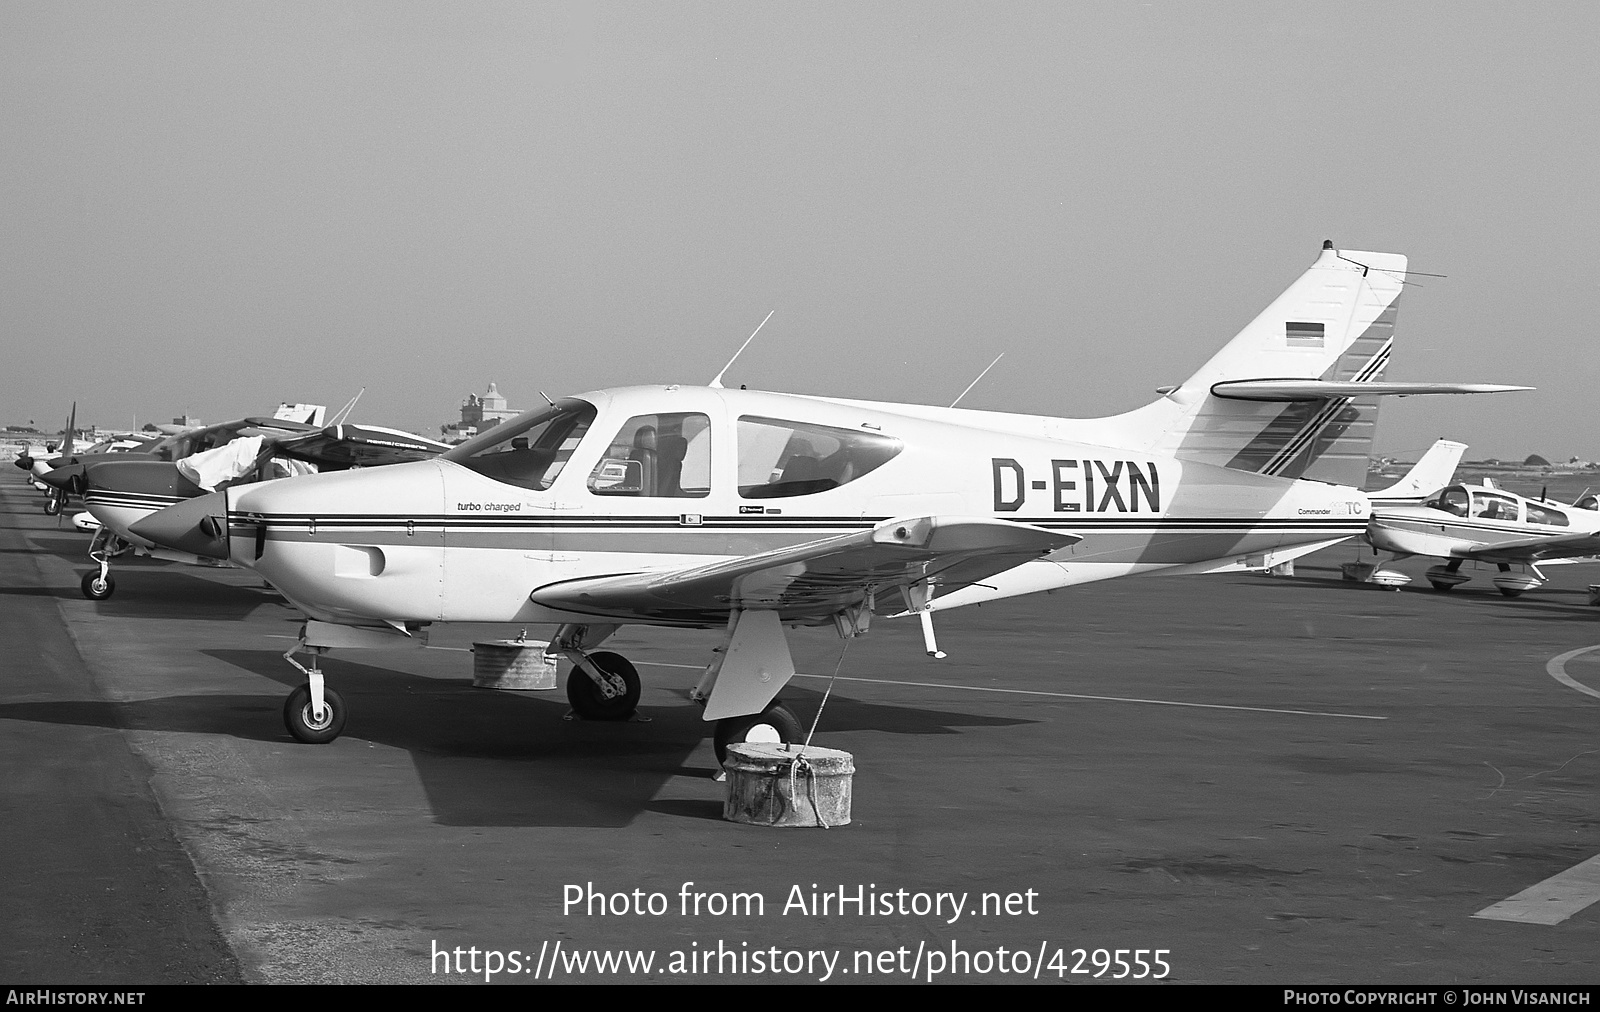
813 581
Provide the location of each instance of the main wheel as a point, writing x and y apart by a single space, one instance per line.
590 703
1511 591
1441 586
52 505
95 587
304 725
775 724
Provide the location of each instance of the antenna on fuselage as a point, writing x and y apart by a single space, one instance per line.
716 381
344 412
981 375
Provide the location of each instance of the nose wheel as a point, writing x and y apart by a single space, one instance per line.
97 586
300 716
313 713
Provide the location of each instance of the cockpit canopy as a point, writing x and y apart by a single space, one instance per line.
1489 504
668 454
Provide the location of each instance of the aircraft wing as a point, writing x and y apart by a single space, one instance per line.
811 582
357 445
1545 548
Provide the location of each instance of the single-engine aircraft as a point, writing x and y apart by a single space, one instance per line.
750 511
122 490
1482 523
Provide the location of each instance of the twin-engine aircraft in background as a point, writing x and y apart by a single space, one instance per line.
749 511
122 490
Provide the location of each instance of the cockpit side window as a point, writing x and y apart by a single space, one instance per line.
780 458
1487 506
659 456
528 451
1540 514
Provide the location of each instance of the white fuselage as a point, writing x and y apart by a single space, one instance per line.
438 541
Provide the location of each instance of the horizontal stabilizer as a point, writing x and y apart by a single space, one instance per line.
1317 390
814 581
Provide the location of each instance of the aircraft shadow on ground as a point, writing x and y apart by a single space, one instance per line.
154 593
1537 604
512 758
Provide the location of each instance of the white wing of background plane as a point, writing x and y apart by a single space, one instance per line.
1541 548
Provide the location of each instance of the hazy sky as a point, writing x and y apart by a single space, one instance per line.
213 207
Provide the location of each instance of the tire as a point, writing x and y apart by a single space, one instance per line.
96 589
1442 586
52 505
1510 591
776 723
298 719
586 698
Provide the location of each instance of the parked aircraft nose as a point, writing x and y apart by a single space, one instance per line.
198 526
69 478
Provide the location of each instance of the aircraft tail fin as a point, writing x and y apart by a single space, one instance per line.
1295 394
1434 471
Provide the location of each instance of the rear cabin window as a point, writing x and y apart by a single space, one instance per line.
529 451
779 458
657 456
1538 514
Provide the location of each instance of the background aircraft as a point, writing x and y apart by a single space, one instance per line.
752 511
1482 523
120 491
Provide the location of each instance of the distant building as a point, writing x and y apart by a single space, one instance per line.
478 414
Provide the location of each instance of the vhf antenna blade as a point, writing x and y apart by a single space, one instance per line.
344 412
981 375
716 381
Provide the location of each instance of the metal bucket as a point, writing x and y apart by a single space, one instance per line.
772 784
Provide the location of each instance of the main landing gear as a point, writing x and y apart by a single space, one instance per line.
752 664
605 688
1447 576
777 723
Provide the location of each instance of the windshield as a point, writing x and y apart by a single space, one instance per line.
528 451
1451 500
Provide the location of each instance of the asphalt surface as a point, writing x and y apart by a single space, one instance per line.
1272 780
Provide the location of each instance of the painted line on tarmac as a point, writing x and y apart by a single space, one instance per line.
1553 900
1562 895
1557 668
1058 695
